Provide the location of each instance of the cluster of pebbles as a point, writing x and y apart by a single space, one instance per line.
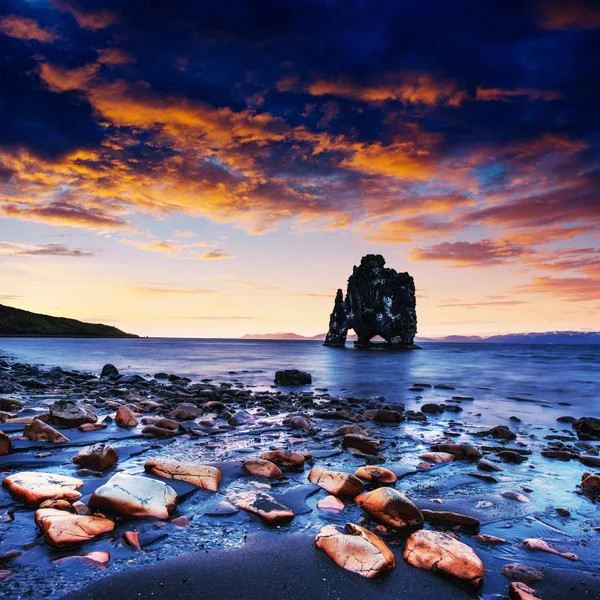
71 442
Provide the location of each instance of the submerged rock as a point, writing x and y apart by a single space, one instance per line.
263 505
98 456
336 482
62 529
204 476
134 496
38 431
440 552
379 301
33 487
358 550
391 508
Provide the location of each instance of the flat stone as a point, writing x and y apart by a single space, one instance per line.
262 468
336 482
511 456
357 550
71 414
440 552
391 508
438 457
384 415
331 504
376 474
62 529
345 429
457 450
360 442
451 518
515 496
98 456
95 559
204 476
264 506
284 458
486 465
33 487
134 496
38 431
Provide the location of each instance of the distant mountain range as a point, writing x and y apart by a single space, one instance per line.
547 337
22 323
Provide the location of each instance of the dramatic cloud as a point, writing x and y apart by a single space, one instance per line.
23 28
462 254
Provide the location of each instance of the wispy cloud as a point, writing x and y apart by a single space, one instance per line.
251 284
15 249
462 254
216 254
168 291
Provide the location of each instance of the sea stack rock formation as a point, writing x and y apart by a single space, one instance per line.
379 301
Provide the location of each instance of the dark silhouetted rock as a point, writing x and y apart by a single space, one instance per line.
587 428
292 377
379 302
109 371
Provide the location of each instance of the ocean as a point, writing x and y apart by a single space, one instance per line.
504 379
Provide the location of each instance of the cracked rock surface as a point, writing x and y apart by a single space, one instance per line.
62 529
203 476
32 487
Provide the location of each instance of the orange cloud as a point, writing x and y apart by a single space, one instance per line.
114 56
94 20
498 94
407 87
574 14
575 289
216 254
60 79
23 28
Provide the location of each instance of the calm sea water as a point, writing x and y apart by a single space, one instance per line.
549 380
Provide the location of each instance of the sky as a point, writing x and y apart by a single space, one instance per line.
213 169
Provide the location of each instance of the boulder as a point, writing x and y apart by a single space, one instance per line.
5 444
292 377
98 456
71 414
336 482
109 370
440 552
38 431
33 487
124 417
457 450
357 550
391 508
360 442
264 506
587 428
62 529
376 474
204 476
379 301
284 458
134 496
262 468
11 404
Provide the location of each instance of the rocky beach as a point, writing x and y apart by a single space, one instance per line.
122 485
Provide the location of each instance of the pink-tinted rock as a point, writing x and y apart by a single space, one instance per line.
96 559
32 487
521 591
182 521
515 496
204 476
62 529
86 427
541 545
262 468
376 474
38 431
331 504
264 506
132 538
438 457
357 550
440 552
336 482
391 508
134 496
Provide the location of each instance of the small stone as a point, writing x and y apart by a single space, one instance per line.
486 465
284 458
345 429
91 427
384 415
511 456
182 521
541 545
590 482
358 550
361 442
32 487
71 414
391 508
5 444
515 496
451 518
440 552
38 431
484 538
522 573
262 468
336 482
132 538
457 450
96 559
331 504
438 457
432 409
520 591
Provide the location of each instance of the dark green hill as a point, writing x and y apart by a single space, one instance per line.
17 322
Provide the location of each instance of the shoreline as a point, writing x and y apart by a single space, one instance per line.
236 423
